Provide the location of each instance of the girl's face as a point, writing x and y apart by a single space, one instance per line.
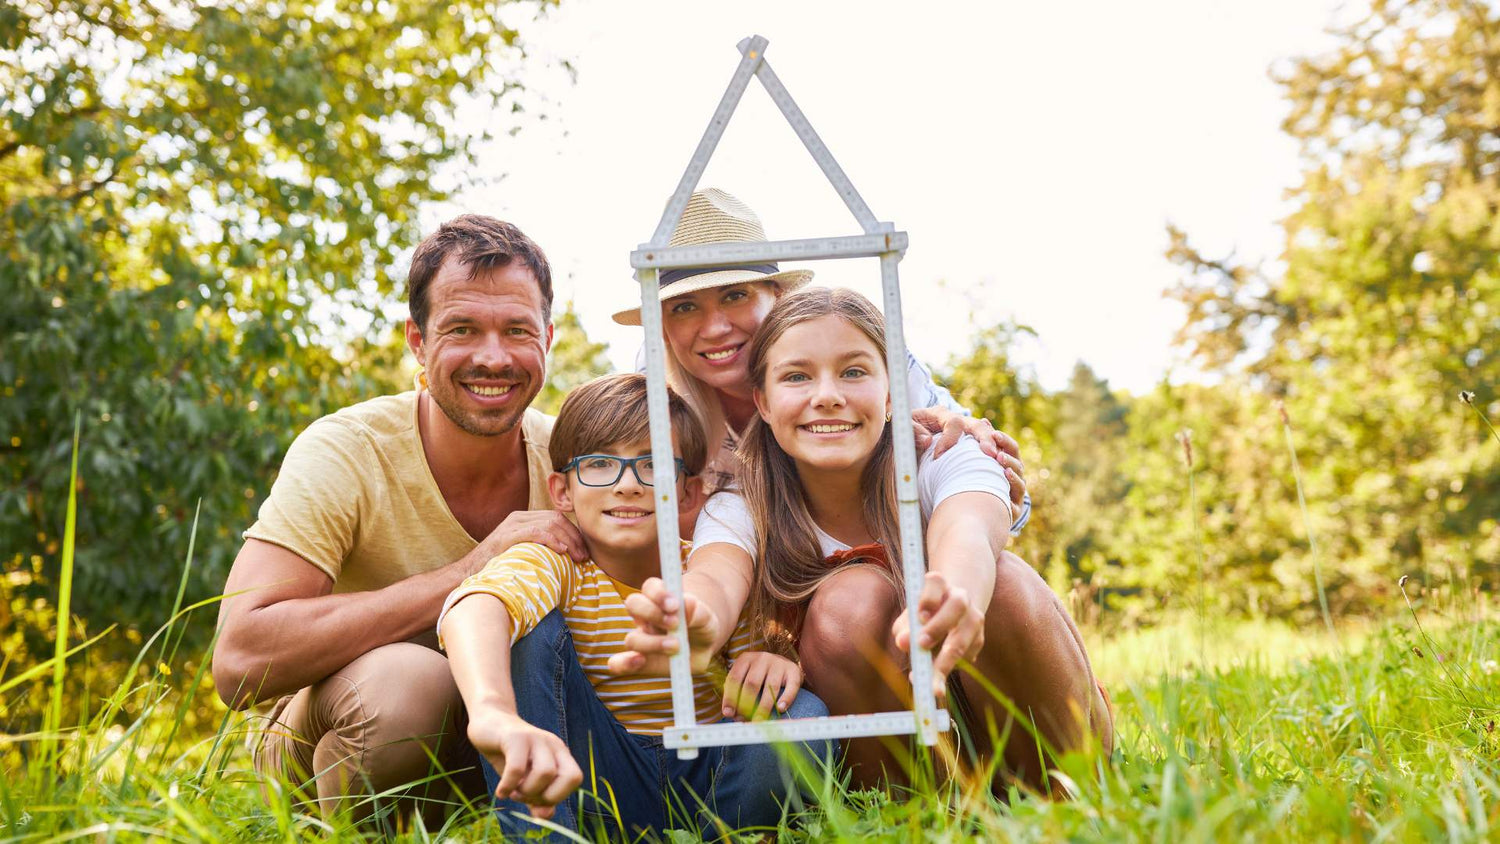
708 331
826 394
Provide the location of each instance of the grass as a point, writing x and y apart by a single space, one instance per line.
1271 732
1226 730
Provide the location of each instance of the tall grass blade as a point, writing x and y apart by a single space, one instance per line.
53 721
1186 438
169 652
1468 398
1312 542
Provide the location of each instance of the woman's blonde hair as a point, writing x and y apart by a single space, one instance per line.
789 563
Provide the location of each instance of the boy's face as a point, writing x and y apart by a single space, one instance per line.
621 518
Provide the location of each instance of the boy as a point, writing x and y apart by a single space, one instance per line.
563 620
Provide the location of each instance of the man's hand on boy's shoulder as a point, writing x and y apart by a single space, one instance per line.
544 527
758 681
534 765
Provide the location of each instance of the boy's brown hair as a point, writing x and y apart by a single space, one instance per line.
612 409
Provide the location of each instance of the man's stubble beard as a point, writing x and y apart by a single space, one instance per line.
472 422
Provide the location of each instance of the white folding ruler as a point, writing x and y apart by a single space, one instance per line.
880 240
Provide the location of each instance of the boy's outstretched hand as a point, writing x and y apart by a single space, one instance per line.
758 681
535 766
653 641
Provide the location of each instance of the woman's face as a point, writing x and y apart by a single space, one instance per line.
708 331
826 394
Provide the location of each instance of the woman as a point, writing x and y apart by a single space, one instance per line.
709 316
814 522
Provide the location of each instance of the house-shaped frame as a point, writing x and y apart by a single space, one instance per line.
880 240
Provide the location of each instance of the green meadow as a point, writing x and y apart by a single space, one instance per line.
1227 730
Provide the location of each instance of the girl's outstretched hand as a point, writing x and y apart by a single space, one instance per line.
952 626
656 614
758 681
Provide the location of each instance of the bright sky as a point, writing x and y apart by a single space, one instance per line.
1033 151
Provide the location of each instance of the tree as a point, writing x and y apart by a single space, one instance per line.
1386 307
1087 482
573 360
199 209
990 384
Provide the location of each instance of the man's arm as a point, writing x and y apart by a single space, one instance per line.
281 628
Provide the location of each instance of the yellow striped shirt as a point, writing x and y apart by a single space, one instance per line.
531 580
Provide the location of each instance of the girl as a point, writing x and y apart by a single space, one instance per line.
810 541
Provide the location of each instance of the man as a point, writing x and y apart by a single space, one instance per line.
379 511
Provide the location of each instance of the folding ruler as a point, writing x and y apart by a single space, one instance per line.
880 240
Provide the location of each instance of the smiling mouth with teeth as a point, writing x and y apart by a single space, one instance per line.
719 355
829 429
627 514
488 392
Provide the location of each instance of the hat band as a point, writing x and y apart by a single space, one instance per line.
671 276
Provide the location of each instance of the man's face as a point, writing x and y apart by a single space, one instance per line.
485 345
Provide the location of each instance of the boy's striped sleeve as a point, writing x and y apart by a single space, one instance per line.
531 580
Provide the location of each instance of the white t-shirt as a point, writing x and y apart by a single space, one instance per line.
962 468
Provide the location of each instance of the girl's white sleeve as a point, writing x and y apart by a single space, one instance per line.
962 468
726 518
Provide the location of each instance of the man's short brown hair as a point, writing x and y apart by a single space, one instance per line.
612 409
479 243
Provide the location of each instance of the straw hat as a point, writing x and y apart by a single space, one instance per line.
713 216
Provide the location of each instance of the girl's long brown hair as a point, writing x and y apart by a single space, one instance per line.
789 561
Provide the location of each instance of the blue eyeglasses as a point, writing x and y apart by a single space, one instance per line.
606 469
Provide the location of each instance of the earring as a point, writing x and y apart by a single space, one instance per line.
887 416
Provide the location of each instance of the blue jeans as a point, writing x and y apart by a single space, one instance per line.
635 776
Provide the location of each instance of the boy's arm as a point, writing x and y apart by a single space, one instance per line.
535 766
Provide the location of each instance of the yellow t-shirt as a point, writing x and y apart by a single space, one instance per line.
531 580
356 498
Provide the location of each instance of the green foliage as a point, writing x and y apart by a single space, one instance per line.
200 206
1384 308
574 359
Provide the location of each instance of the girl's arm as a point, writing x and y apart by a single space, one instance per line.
715 589
965 536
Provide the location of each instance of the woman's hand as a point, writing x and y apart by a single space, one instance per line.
952 626
943 426
757 681
535 766
649 646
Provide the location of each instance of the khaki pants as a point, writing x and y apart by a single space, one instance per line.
389 718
